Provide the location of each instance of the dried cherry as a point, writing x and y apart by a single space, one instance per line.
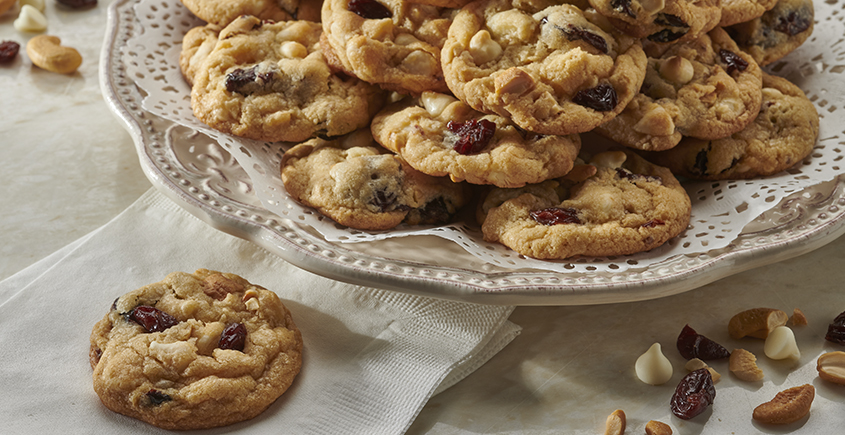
233 337
792 24
157 397
78 4
671 21
601 98
836 330
653 223
694 345
434 212
733 61
623 6
152 319
473 135
555 216
369 9
665 35
693 395
574 33
8 50
246 81
700 165
630 176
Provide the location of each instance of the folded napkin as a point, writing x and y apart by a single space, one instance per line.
371 358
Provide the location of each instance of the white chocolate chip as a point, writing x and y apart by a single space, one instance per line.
655 122
405 39
609 159
652 6
780 344
483 49
30 19
512 26
420 63
653 367
677 70
394 97
435 102
177 354
294 50
209 335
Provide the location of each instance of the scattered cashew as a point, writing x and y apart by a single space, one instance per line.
654 427
831 367
756 322
780 344
743 364
798 318
47 52
615 424
5 5
30 19
695 364
788 406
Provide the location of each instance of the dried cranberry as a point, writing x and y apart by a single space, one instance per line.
601 98
836 330
473 135
623 6
384 200
792 24
653 223
246 81
733 61
670 20
574 33
693 395
152 319
233 337
78 4
665 35
555 216
369 9
8 50
694 345
630 176
700 165
434 212
157 397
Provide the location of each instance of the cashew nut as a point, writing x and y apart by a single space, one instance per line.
615 424
743 364
5 5
654 427
788 406
47 52
831 367
756 322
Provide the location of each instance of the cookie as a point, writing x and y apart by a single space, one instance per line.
195 351
270 81
777 32
706 88
355 182
223 12
740 11
197 44
550 68
439 135
626 206
661 22
783 134
393 43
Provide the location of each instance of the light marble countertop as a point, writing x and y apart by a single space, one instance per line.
67 166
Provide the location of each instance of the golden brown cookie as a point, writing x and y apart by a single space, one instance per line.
195 351
777 32
661 22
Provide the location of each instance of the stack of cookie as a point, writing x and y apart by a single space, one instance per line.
408 111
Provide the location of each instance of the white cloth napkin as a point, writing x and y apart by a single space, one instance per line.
371 358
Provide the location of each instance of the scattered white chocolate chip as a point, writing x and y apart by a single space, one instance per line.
37 4
30 19
677 70
293 49
653 367
435 102
609 159
483 49
780 344
831 367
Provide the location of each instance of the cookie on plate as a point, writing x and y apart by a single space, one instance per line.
661 22
740 11
197 44
195 351
707 88
270 81
777 32
357 183
223 12
784 133
623 206
393 43
439 135
550 68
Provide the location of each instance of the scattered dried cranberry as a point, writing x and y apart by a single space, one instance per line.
653 223
836 330
623 6
665 35
792 24
233 337
157 397
152 319
694 345
473 135
78 4
670 20
733 61
8 50
601 98
555 216
369 9
573 33
693 395
246 81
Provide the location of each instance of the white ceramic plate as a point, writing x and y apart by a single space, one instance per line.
205 179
